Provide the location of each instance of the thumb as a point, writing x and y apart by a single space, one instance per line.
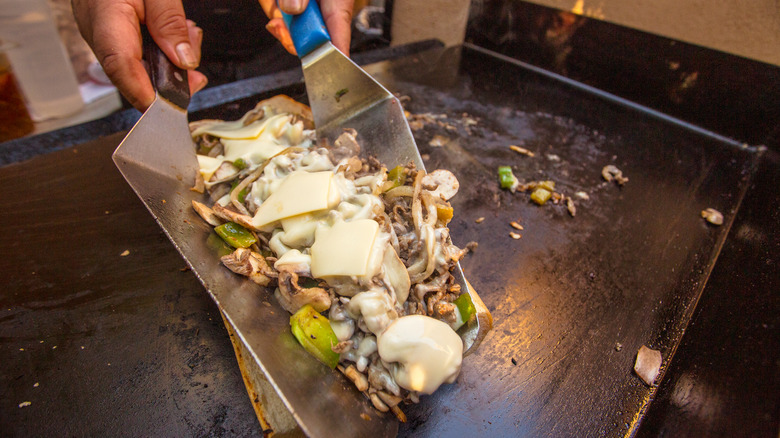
168 26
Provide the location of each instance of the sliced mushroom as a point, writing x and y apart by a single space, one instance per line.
396 274
389 399
254 115
292 296
378 403
379 378
285 104
360 381
648 364
441 183
712 216
250 264
224 173
612 173
345 146
233 216
200 185
207 214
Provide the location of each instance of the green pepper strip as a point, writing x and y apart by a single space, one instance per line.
218 245
505 177
465 307
240 164
397 175
314 333
235 235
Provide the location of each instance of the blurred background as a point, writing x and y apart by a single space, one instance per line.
58 82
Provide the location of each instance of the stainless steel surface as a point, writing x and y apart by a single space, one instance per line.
342 96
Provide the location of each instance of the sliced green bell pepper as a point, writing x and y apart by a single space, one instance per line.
506 178
465 307
397 175
314 333
235 235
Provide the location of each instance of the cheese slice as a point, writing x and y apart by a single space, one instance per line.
299 230
208 165
299 193
253 150
236 129
343 249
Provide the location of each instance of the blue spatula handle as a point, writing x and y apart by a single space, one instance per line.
307 29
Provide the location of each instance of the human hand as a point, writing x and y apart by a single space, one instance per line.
336 13
112 29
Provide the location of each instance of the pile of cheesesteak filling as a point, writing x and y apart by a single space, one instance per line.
359 255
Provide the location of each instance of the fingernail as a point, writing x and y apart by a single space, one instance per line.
294 6
186 55
201 85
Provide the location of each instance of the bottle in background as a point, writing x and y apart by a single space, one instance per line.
15 121
40 62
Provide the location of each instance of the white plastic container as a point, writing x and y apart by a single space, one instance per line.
39 60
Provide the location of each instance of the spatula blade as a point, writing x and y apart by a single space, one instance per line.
342 95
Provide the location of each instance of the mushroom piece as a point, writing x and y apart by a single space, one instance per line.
379 378
389 399
284 104
250 264
345 146
378 403
360 381
292 296
233 216
207 214
396 274
224 173
441 183
612 173
648 364
712 216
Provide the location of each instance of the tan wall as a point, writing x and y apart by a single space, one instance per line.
749 28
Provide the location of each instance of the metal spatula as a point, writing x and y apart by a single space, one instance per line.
157 158
342 95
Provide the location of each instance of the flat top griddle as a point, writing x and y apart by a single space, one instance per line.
628 269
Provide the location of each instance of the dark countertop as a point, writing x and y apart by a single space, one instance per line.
710 294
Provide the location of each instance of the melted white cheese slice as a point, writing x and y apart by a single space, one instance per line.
237 130
343 249
426 352
255 150
208 165
298 193
299 230
376 308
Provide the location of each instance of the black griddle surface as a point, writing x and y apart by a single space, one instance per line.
628 269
